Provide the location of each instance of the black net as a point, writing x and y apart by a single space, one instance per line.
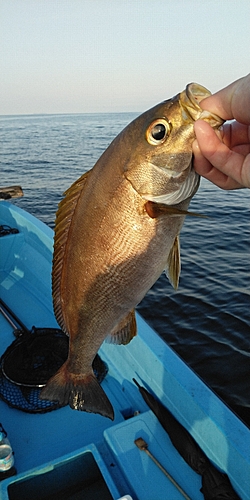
29 362
34 357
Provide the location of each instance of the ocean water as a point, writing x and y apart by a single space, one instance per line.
206 321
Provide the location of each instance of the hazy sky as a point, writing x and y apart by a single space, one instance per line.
74 56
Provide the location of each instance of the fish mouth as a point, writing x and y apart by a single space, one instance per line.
196 93
190 100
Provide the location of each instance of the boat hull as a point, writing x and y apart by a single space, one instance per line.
67 440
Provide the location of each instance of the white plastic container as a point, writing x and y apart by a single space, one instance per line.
6 453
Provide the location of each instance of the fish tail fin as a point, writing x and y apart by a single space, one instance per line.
81 392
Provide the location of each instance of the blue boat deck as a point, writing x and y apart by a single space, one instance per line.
64 443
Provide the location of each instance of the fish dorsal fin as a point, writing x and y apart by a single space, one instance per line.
124 331
63 222
174 263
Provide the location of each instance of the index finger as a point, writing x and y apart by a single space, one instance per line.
231 102
231 163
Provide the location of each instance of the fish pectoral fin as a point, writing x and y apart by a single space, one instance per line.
174 263
81 392
154 210
124 331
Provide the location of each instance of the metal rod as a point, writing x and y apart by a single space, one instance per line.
10 315
142 445
8 318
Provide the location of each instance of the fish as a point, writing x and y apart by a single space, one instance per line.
117 229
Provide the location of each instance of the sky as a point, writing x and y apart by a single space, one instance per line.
83 56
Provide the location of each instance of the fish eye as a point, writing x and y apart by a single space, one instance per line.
158 131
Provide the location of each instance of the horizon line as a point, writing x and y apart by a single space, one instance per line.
68 113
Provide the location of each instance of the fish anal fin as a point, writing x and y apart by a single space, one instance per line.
174 263
124 331
63 222
81 392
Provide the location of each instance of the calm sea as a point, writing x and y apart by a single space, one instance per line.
207 320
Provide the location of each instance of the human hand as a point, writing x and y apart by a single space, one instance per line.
223 157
